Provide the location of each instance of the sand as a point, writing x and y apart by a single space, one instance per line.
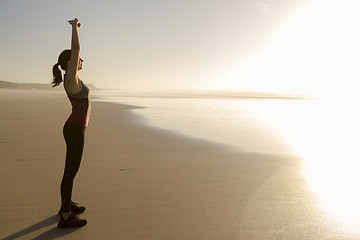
138 182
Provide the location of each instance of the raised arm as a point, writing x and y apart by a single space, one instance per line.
72 83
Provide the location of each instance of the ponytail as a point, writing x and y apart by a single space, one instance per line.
64 57
57 75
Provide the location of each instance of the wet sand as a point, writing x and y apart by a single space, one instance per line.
138 182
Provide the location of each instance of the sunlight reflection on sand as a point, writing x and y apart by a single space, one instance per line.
325 134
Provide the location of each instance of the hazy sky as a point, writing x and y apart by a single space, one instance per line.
274 45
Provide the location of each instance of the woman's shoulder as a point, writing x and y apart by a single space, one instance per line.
83 93
72 84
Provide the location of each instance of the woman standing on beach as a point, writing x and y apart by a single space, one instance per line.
74 128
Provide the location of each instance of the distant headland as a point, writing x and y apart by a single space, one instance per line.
32 86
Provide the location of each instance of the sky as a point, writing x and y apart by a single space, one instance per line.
295 46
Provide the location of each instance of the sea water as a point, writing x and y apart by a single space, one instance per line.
242 124
249 124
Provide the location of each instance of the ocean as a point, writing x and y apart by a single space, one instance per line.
309 127
253 124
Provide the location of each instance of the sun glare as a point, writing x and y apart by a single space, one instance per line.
316 52
330 53
324 133
332 161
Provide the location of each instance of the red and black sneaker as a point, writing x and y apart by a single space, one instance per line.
73 221
75 208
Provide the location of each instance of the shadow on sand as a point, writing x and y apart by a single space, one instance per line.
50 234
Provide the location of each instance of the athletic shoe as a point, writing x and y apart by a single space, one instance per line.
73 221
75 208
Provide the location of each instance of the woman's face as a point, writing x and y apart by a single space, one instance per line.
80 64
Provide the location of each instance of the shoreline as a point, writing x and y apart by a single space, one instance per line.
139 182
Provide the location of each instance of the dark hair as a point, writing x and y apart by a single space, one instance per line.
64 57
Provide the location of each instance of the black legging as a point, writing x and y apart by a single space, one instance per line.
74 138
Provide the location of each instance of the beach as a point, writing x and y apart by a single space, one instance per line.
139 182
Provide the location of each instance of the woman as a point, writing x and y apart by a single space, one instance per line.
74 128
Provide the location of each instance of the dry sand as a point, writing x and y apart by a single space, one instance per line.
143 183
